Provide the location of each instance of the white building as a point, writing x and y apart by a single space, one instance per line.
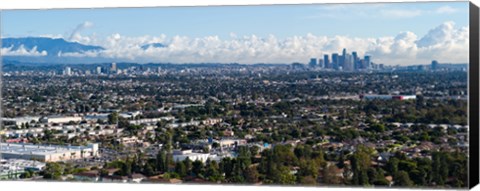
61 119
13 168
67 71
388 97
129 115
151 120
47 153
20 120
182 155
231 142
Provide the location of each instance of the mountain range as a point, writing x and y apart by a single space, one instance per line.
52 49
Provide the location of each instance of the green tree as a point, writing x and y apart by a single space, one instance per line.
113 118
181 169
403 179
284 176
148 169
212 172
53 171
162 161
197 168
251 175
330 175
360 162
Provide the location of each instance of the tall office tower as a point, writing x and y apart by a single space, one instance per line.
99 70
361 64
114 67
341 62
335 61
312 63
434 65
326 61
367 62
348 62
67 71
321 64
343 58
356 63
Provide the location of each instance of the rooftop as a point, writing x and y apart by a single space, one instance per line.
23 148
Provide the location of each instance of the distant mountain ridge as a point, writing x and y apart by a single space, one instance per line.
53 46
154 45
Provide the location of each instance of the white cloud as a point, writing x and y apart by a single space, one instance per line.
446 10
76 32
22 51
445 43
51 35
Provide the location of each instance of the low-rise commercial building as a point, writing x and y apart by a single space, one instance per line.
47 153
388 97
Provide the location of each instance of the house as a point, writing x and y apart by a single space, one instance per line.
115 178
228 133
389 179
158 179
196 180
90 176
384 156
137 178
111 171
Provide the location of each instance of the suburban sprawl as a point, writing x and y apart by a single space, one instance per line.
338 122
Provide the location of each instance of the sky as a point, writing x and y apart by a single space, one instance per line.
393 34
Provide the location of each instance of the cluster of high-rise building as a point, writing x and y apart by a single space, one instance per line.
67 71
345 62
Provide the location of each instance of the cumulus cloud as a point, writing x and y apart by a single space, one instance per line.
76 32
22 51
445 43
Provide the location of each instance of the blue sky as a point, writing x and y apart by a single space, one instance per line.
355 20
393 33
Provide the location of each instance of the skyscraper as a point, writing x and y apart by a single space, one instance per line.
326 61
434 65
114 67
321 64
313 63
367 62
99 70
343 59
348 62
335 61
356 63
67 71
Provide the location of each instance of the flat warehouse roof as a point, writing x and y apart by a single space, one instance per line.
19 148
